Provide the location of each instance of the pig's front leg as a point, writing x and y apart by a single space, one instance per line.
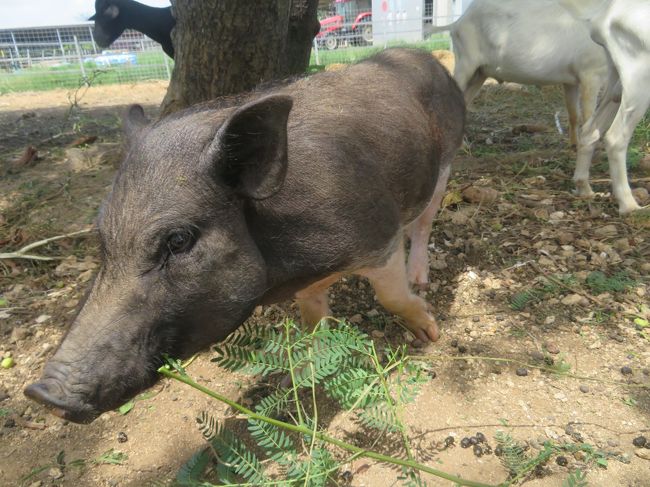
314 302
393 292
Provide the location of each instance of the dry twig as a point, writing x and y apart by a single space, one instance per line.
22 253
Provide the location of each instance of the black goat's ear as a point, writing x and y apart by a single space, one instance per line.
250 148
111 12
134 121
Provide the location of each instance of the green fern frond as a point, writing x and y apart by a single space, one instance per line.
598 282
411 478
576 479
243 359
273 403
520 300
513 458
380 416
233 455
192 470
354 387
276 443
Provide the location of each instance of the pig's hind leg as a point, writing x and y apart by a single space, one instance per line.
391 285
419 231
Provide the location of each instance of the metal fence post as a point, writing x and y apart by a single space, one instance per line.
92 39
58 35
13 39
81 62
169 73
315 48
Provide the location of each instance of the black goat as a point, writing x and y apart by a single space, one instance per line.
112 17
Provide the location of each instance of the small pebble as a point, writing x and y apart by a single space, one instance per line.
639 441
454 343
465 443
346 476
476 319
121 437
584 389
498 451
643 453
462 349
625 370
478 451
522 371
449 441
55 472
580 456
562 461
535 355
552 348
473 440
480 437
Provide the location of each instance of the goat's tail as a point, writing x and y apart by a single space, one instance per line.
434 29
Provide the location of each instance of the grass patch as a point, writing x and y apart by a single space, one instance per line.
150 66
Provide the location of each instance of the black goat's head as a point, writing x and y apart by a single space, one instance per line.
108 24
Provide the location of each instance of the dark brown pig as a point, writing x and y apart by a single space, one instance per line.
232 204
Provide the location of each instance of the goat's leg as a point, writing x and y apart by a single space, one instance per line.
473 86
420 230
592 130
635 101
392 288
571 100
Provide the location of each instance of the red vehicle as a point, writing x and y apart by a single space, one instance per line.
350 25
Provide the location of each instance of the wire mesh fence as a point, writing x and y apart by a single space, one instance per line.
36 59
352 30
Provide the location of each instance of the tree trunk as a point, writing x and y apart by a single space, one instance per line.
224 47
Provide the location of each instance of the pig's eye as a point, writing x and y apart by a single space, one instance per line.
180 241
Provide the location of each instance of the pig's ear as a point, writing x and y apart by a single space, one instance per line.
134 121
250 148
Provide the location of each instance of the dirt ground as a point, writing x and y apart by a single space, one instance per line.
511 278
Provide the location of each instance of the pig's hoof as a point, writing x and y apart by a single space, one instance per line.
427 332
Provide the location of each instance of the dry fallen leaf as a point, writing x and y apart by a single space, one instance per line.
480 195
29 155
83 140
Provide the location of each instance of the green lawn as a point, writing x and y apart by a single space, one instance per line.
151 66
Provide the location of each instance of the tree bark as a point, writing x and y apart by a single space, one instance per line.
224 47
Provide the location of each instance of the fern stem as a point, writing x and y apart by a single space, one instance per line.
393 402
328 439
314 419
294 387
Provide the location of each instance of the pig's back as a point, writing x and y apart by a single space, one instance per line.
380 126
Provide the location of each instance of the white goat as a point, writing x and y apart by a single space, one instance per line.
622 27
530 42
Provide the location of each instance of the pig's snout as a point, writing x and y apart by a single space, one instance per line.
51 393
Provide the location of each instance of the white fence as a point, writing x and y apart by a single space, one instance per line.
67 56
